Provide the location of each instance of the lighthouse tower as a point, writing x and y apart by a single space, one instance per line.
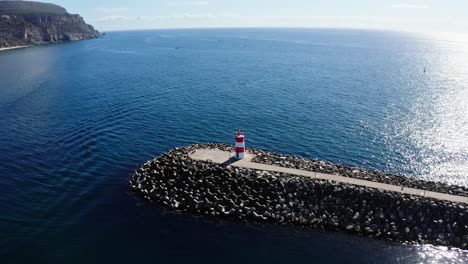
240 145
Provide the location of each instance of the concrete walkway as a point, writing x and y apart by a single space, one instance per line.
225 157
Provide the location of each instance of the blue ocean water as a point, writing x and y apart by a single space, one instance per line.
76 120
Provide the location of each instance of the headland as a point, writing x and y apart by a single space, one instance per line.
27 23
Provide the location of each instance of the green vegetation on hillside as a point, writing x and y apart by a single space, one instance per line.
25 23
30 8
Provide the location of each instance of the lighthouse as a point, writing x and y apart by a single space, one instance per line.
240 145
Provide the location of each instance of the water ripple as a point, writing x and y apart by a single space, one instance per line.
75 128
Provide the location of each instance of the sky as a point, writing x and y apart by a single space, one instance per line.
403 15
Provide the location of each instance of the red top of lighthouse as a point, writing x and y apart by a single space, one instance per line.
239 136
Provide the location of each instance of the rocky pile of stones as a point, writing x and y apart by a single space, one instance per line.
353 172
201 187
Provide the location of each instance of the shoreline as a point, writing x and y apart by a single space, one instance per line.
203 187
12 48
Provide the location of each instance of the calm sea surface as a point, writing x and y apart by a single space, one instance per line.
76 119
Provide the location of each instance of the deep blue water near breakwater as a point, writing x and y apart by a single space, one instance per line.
76 120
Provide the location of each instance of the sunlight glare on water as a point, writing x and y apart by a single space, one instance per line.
433 255
436 123
77 119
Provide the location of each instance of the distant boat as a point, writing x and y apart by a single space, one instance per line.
424 70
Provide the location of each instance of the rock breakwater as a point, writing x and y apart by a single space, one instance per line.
295 162
176 181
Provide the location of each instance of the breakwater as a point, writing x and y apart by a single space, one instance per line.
295 162
202 187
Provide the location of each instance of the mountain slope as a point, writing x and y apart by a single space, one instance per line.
24 23
28 8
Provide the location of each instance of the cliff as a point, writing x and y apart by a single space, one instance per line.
24 23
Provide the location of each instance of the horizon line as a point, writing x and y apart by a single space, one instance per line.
459 36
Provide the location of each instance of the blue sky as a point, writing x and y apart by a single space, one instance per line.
407 15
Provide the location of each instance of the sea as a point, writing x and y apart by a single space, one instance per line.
77 119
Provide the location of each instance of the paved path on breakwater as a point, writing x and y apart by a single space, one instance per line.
225 157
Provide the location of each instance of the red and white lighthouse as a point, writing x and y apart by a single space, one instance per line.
240 145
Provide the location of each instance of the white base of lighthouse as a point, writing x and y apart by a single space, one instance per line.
239 155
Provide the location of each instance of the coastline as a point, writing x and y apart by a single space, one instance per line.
15 47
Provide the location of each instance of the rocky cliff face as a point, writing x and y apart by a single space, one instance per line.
32 26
